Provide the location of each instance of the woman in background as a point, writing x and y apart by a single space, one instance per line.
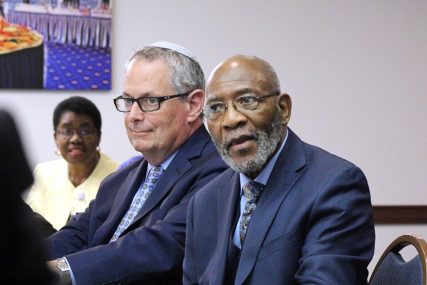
65 187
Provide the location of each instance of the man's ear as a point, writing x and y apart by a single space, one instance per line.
195 100
284 102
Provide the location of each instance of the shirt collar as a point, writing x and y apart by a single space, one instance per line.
164 164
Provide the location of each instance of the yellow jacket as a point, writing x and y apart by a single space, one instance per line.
54 196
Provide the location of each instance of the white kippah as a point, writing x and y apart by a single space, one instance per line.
179 49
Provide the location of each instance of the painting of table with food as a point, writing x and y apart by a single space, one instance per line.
56 44
21 57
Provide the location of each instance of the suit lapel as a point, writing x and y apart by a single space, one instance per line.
180 164
167 180
122 202
227 206
281 181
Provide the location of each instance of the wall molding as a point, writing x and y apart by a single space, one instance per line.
400 214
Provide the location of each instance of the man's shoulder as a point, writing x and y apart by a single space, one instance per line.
317 157
325 159
197 143
200 151
323 167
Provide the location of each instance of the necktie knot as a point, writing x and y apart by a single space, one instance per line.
154 174
252 191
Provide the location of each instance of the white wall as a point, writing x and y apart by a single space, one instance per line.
356 70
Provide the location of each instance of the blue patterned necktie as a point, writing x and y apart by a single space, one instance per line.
252 192
138 200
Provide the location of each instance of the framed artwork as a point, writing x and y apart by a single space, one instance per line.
55 44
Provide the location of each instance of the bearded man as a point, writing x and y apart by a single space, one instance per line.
286 212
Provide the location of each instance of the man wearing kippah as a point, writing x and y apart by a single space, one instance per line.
134 231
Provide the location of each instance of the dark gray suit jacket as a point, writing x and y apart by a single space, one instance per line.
313 224
151 249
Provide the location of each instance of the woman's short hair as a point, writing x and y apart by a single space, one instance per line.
78 105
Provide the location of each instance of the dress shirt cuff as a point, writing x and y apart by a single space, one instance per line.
73 280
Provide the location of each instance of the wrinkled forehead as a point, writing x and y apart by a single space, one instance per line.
234 78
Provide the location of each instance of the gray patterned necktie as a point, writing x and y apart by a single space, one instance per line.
138 200
252 192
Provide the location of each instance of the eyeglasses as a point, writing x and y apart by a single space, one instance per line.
243 104
69 133
146 104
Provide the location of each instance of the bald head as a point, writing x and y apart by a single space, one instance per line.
256 69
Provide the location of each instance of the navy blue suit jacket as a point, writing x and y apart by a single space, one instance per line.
313 224
151 249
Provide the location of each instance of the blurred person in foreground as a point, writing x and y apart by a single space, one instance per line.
22 255
2 9
63 188
286 212
134 231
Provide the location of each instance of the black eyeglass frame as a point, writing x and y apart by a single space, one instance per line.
160 99
67 133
